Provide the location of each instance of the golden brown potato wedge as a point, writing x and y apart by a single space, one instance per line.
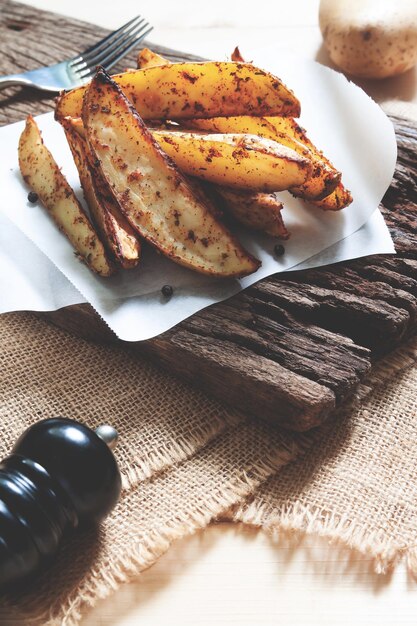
339 199
259 211
148 58
324 177
236 56
184 90
290 127
44 177
153 195
242 161
245 124
115 231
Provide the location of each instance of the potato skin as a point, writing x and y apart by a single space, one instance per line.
236 160
339 199
152 193
370 38
43 176
258 211
116 233
186 90
284 130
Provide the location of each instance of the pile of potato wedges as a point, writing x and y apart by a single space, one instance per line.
174 155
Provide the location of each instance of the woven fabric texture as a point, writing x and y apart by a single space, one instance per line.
358 482
186 460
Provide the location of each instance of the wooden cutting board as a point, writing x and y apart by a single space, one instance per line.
289 348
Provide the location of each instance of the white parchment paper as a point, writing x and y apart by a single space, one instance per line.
340 118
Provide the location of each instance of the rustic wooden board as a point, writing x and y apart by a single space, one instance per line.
293 346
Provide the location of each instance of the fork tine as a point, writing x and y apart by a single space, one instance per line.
115 54
109 63
99 45
97 58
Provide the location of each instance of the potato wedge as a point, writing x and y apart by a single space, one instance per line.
255 210
324 177
115 231
184 90
245 124
339 199
148 58
153 195
323 188
290 127
259 211
236 56
242 161
44 177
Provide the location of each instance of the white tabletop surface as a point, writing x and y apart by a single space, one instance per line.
229 574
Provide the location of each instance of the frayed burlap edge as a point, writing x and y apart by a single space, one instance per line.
177 450
227 502
140 556
303 521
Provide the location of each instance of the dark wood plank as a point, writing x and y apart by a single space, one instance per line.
293 346
30 38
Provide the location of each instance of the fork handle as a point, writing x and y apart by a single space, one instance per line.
14 79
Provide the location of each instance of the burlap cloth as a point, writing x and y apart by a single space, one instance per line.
186 460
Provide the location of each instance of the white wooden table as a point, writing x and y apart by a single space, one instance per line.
230 574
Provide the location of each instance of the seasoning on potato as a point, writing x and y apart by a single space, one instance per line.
47 182
223 141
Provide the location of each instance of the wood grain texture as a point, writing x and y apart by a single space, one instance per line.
291 347
30 38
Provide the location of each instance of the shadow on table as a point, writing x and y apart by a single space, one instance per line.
247 552
402 87
55 586
330 560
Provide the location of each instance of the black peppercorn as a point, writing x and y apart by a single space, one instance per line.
167 291
279 249
33 197
96 163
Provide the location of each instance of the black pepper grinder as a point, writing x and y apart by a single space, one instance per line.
60 475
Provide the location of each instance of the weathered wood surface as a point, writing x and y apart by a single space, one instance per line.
30 38
293 346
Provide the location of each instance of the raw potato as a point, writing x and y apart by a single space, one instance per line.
242 161
154 196
184 90
323 179
115 231
260 211
44 177
370 38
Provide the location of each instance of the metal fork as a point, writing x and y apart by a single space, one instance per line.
79 69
